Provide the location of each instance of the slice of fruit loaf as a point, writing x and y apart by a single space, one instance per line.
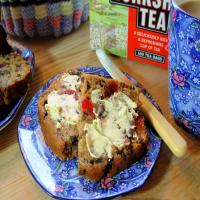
59 115
112 132
15 77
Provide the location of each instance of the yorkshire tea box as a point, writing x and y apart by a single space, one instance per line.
136 29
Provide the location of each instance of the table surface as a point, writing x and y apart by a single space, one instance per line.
171 177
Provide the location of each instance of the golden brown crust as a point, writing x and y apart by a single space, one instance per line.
50 133
62 141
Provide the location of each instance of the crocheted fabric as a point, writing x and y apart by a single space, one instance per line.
42 17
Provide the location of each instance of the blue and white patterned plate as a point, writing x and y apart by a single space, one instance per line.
59 178
9 112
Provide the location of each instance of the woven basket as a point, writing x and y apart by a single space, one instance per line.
42 17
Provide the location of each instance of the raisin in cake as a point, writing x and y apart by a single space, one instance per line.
15 77
113 134
59 115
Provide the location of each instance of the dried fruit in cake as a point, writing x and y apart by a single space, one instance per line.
15 77
113 133
59 115
95 119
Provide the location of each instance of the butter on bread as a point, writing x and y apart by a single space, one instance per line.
95 119
59 115
113 134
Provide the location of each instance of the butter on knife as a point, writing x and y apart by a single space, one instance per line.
170 136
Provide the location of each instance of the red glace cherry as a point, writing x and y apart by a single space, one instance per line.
139 121
69 91
111 88
87 106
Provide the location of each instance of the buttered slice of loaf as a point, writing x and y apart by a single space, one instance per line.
15 77
59 115
113 134
95 119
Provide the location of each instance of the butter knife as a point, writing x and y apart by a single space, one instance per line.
170 136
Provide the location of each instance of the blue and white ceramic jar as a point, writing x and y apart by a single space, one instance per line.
184 68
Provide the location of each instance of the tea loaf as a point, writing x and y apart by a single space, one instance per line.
113 133
95 119
15 77
59 115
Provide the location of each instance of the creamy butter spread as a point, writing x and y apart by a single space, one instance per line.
70 81
97 144
64 108
119 113
95 96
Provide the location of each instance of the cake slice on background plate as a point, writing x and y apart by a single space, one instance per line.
15 77
15 72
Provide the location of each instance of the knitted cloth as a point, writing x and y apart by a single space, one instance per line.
42 17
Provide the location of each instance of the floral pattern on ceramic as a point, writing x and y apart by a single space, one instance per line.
184 69
59 178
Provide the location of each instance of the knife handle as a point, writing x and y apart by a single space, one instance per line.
170 136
